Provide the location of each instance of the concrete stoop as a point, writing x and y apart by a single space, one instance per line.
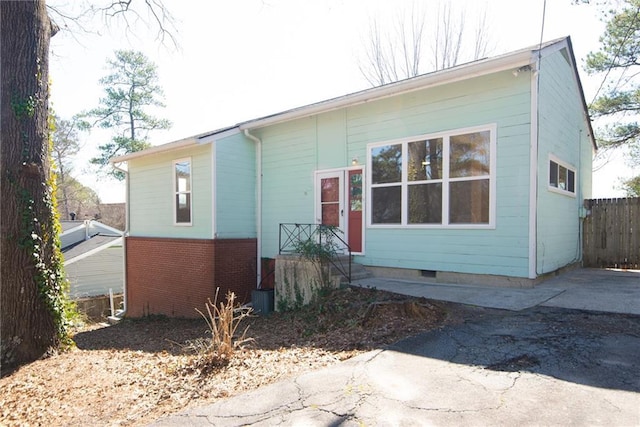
358 271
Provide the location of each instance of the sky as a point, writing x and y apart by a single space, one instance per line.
239 60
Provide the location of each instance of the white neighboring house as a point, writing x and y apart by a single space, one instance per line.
93 258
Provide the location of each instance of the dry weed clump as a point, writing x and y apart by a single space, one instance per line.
223 320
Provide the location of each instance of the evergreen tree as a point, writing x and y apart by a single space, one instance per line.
618 99
130 91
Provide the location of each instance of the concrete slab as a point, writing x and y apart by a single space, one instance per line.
613 291
607 290
514 299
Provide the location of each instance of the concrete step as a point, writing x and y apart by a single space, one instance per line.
358 272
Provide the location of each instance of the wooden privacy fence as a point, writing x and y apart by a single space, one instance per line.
612 233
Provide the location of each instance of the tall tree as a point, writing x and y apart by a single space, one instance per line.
400 50
618 98
65 147
31 276
130 91
73 196
31 267
82 201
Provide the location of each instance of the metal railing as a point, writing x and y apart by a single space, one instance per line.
293 236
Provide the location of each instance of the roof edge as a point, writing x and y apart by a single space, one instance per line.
94 251
182 143
450 75
525 56
585 106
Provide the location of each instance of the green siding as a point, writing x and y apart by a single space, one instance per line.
332 128
235 192
151 194
289 162
564 134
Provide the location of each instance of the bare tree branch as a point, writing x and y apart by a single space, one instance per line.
153 14
398 53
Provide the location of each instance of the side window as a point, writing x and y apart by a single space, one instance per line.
182 191
562 177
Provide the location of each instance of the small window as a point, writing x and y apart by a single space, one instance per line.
182 191
562 177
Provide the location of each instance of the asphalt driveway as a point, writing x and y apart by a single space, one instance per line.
534 365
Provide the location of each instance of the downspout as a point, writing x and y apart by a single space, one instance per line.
121 313
533 172
258 205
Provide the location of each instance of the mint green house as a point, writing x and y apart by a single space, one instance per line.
472 174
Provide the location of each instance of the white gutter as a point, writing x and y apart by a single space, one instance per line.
125 234
258 205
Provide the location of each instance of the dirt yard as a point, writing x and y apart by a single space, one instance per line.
139 370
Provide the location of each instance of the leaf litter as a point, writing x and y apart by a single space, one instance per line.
139 370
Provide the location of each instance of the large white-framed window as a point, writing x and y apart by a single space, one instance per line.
562 177
445 179
182 213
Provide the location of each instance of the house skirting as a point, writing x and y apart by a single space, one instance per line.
483 280
173 277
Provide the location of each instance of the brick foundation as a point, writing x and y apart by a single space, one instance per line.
172 277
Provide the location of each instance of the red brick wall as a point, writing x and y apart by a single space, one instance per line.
174 276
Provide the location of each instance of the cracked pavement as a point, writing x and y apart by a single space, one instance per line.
539 366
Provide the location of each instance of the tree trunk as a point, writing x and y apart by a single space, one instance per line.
30 260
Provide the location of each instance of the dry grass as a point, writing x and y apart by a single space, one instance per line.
223 319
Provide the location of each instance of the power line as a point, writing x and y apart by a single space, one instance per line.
544 15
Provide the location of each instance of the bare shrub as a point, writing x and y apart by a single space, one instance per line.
223 320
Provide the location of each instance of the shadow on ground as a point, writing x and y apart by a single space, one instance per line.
591 348
152 335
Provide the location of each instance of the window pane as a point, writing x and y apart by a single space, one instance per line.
355 191
183 208
571 181
386 205
469 202
183 176
386 164
470 154
553 174
562 177
330 189
425 160
425 204
331 214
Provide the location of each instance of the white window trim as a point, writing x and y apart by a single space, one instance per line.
492 128
174 192
568 166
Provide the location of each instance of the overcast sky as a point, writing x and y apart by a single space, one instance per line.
239 60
